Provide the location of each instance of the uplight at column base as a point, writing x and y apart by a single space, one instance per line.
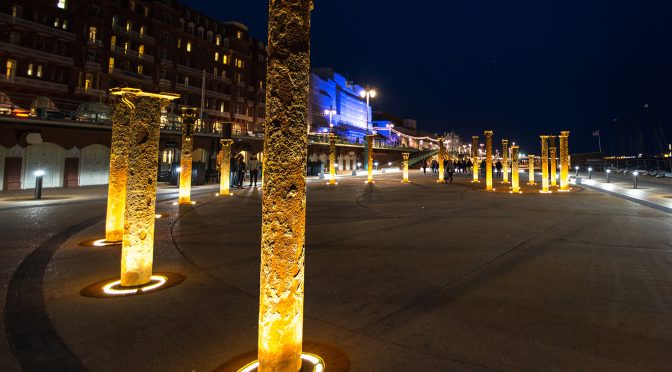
112 288
311 359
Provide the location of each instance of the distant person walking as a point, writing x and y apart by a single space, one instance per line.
241 172
233 171
498 166
253 167
469 166
449 170
424 166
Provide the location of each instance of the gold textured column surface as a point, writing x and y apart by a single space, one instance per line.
544 163
404 165
188 119
369 161
116 194
515 176
564 161
332 159
474 157
554 166
488 159
137 250
530 165
442 156
283 220
225 167
505 160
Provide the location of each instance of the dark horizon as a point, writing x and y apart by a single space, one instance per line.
520 70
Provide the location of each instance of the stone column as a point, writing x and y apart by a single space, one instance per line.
505 160
554 164
332 159
225 167
544 164
442 156
564 161
137 250
515 177
474 157
369 162
488 159
404 165
283 220
530 166
116 194
188 120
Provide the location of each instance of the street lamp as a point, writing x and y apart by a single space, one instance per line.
590 173
636 177
577 171
608 175
389 130
38 183
368 94
330 112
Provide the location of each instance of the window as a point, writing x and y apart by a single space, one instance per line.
57 22
186 80
29 72
38 73
239 34
113 42
141 50
188 46
225 59
200 32
65 24
140 69
142 30
129 26
63 4
131 5
210 36
92 34
145 11
110 65
115 21
179 43
16 11
88 82
216 56
14 37
11 69
126 47
218 40
215 72
191 28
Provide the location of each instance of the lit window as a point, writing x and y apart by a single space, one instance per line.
63 4
142 30
225 59
140 69
65 24
218 40
88 82
239 34
115 21
145 11
30 70
113 42
188 46
16 11
141 50
186 80
216 56
129 26
110 65
92 33
126 47
11 68
179 43
57 22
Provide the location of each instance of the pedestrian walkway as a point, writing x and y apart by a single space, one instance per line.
658 196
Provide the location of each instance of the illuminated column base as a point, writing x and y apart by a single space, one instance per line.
404 162
310 362
369 142
225 168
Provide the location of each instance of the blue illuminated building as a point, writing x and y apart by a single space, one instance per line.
332 91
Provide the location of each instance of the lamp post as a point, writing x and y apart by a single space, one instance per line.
635 175
488 159
577 171
590 173
608 175
369 162
368 94
38 183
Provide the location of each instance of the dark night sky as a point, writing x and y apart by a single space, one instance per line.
520 68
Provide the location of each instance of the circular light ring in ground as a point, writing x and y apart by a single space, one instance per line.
98 243
314 360
112 288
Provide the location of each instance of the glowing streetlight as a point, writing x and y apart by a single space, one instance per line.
635 175
577 171
368 94
38 183
330 112
608 175
590 173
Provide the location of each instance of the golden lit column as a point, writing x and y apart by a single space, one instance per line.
404 165
515 177
488 159
332 159
442 156
564 161
283 220
505 160
137 250
116 194
369 143
544 164
474 157
225 167
554 164
530 165
188 119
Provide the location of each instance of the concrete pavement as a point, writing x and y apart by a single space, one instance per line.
399 277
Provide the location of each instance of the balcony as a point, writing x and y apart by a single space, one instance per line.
243 117
217 114
189 70
136 35
188 88
94 43
219 95
131 75
36 27
92 66
32 54
91 92
134 54
166 63
35 83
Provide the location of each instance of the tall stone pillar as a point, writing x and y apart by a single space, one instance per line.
137 250
544 164
188 120
283 220
404 165
554 164
505 160
515 177
116 194
369 161
488 159
530 166
332 159
474 158
564 161
442 156
225 167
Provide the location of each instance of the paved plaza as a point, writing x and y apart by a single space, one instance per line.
399 277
